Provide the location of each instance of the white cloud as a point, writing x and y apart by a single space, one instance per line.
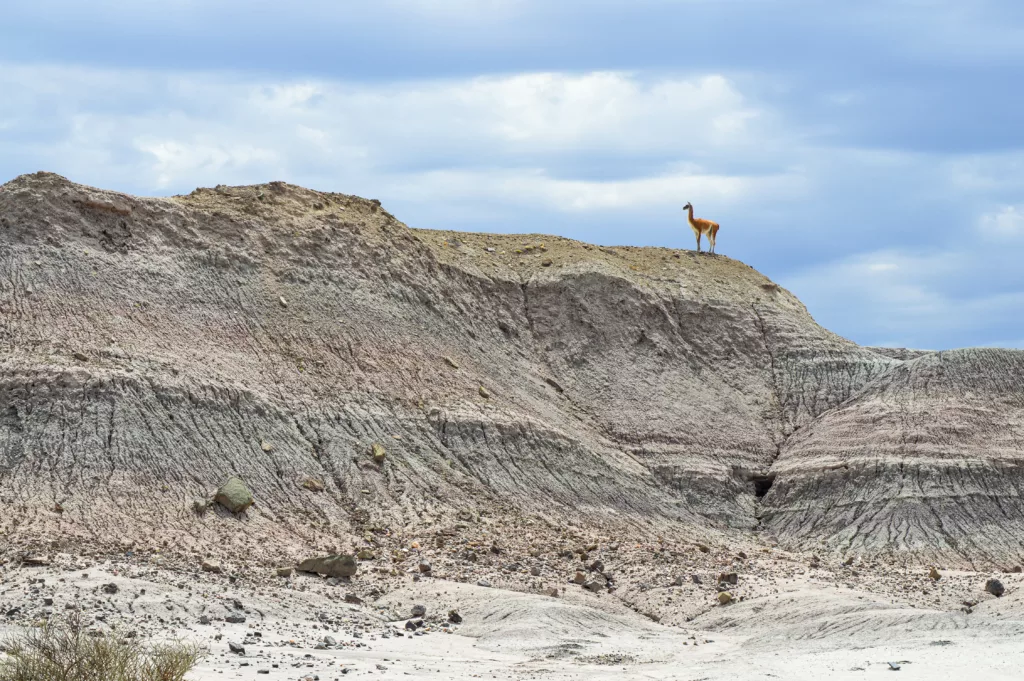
418 138
537 187
1006 223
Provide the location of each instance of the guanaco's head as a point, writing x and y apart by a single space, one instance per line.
687 206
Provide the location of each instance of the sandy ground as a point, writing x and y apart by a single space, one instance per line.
804 629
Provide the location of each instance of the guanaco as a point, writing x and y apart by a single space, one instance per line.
701 226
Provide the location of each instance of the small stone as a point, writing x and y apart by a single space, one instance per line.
209 565
339 565
80 356
236 648
934 574
329 640
451 362
546 263
995 587
425 567
551 591
266 446
484 583
235 619
110 588
200 506
285 572
204 619
454 617
535 571
284 303
378 452
728 578
696 579
724 598
365 554
703 549
579 577
419 610
353 599
485 393
313 485
234 495
595 585
35 561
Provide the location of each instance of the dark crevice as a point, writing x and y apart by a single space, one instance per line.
762 483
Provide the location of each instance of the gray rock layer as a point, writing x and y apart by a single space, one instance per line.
152 348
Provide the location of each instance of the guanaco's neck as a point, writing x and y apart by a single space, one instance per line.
690 216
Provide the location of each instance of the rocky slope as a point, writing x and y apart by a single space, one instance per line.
154 347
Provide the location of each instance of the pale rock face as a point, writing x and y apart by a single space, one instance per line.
154 358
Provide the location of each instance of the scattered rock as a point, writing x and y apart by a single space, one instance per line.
284 303
995 587
724 598
451 362
551 591
353 599
236 648
209 565
580 577
595 585
313 485
484 393
425 567
235 619
204 619
340 565
329 641
454 617
80 356
934 574
419 610
285 572
728 578
484 583
110 588
266 446
703 549
366 554
200 506
378 452
234 496
535 571
35 561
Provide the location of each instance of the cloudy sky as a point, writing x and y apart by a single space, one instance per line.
867 154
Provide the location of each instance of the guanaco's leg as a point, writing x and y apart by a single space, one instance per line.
698 240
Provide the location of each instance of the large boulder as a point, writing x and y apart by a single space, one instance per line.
341 565
234 496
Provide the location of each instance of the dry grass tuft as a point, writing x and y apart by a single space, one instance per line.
67 652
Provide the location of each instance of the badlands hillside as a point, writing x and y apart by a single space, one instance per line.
152 348
487 421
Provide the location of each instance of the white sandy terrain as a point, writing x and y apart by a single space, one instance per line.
805 631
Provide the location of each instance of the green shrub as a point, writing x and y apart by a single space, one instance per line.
66 652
